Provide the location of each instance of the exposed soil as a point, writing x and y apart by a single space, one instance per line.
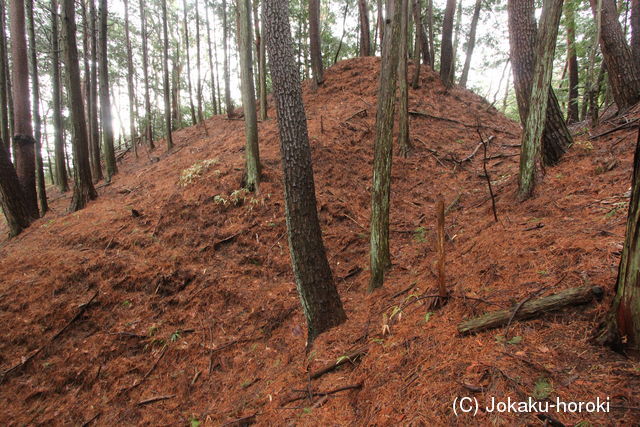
196 302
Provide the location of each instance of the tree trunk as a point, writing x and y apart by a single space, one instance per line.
130 75
522 41
535 123
314 43
446 50
61 167
262 64
380 23
471 43
365 34
148 119
624 75
37 120
432 48
572 63
456 41
185 24
165 68
252 153
635 31
94 134
404 143
621 327
214 102
320 300
176 113
225 62
4 77
23 130
199 77
11 197
105 99
380 193
417 20
83 190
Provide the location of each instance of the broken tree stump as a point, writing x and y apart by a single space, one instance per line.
531 309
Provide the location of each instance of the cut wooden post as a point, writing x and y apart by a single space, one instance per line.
531 309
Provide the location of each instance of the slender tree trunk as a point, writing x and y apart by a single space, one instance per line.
198 66
365 34
83 190
635 31
12 201
176 113
535 123
61 168
404 142
381 189
446 50
314 42
522 40
37 120
87 94
130 75
23 131
456 41
380 23
432 48
262 63
94 135
225 62
471 43
185 24
165 68
252 153
572 63
148 118
624 75
320 300
417 20
105 99
4 77
621 327
214 102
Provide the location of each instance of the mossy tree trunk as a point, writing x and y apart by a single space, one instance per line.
320 300
534 125
380 254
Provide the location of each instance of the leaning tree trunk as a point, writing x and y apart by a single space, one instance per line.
105 99
320 300
534 125
380 254
556 137
94 134
252 153
165 69
365 32
23 130
573 112
314 43
404 143
83 190
624 75
471 43
11 197
446 50
148 120
4 77
621 328
635 31
37 120
225 61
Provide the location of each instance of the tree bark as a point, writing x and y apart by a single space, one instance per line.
148 119
320 300
165 68
83 190
130 75
105 98
624 75
198 68
635 31
252 152
314 43
621 326
432 48
417 20
225 62
522 41
94 133
4 87
380 254
11 197
262 63
214 102
572 64
446 50
365 32
404 142
535 123
185 24
61 167
380 23
23 130
471 43
456 41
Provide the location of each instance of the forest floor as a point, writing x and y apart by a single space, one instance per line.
194 315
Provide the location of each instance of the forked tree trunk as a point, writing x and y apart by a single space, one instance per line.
522 41
572 63
94 134
252 153
165 69
621 327
404 143
446 50
365 32
4 77
37 120
314 43
380 254
471 43
624 75
105 98
23 131
58 144
148 120
83 190
534 125
11 197
320 300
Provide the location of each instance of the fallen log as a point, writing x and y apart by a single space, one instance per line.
531 309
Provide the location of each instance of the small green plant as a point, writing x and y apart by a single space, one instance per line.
194 422
420 235
152 330
543 389
246 383
127 304
175 336
195 171
427 316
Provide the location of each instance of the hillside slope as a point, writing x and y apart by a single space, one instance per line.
195 300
